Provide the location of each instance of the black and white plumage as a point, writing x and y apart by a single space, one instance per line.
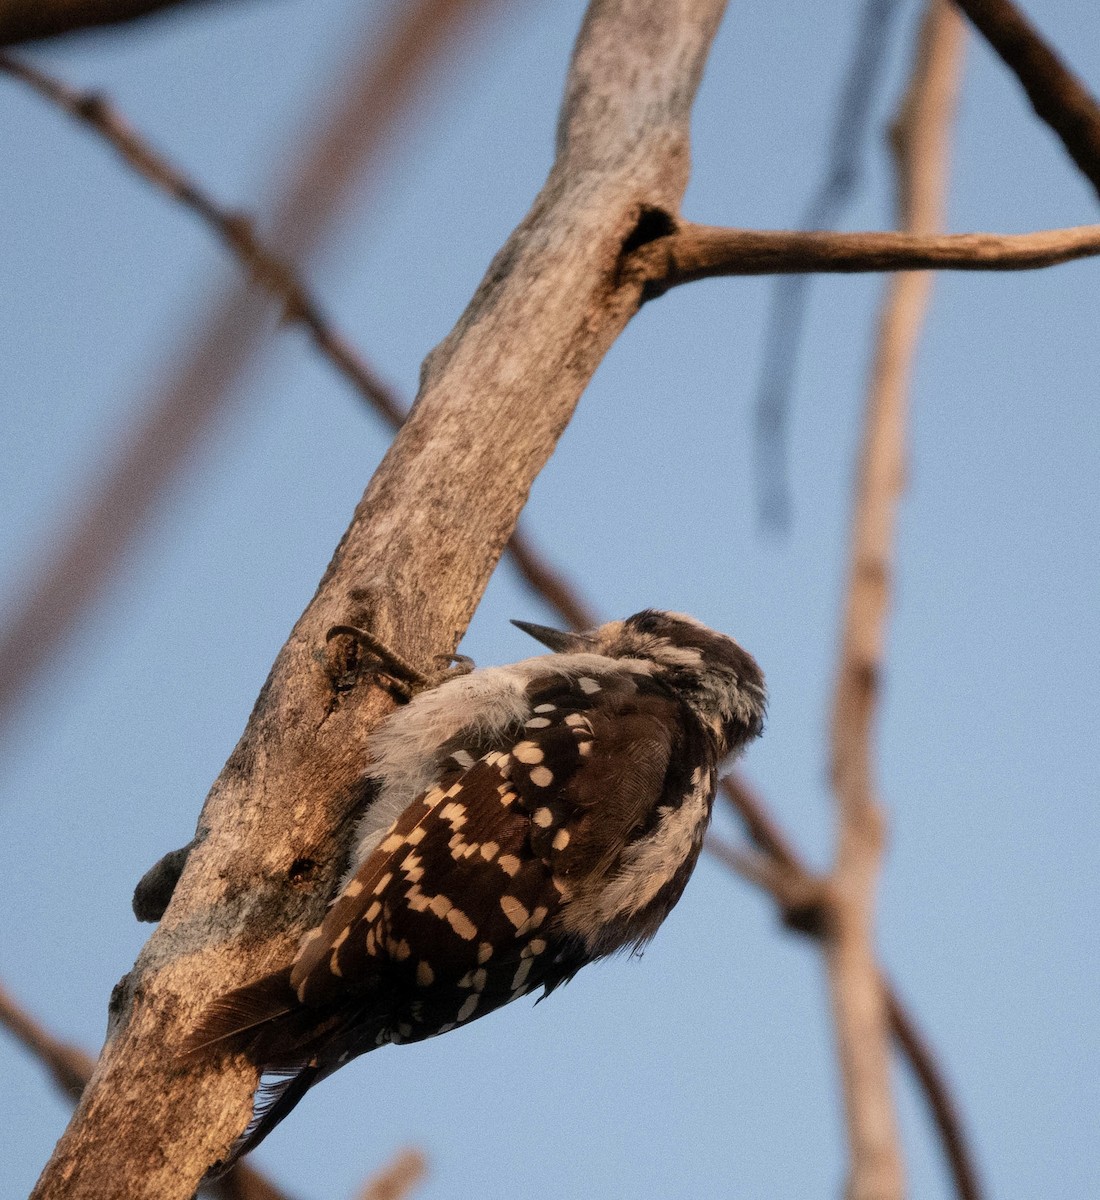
529 819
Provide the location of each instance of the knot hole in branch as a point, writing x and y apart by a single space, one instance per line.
652 223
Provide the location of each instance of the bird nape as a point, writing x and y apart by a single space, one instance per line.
528 819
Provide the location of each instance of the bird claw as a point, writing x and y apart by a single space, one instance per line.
400 676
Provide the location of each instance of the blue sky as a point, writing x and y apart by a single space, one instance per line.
706 1068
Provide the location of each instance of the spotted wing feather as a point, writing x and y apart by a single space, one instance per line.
475 873
592 775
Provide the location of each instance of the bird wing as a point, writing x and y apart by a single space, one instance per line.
461 898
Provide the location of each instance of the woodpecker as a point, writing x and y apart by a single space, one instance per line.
527 820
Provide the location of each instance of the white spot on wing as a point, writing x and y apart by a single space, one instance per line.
514 911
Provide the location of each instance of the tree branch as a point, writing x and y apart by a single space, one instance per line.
1057 95
945 1113
922 137
703 251
69 1066
495 396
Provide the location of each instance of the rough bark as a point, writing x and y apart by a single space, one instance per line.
494 398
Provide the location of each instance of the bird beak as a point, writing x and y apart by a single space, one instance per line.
563 643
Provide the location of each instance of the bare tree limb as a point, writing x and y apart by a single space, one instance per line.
802 904
198 382
71 1068
34 20
922 138
704 251
495 396
1057 95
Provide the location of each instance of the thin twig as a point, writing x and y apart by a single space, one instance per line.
922 139
705 251
1057 95
787 312
761 826
71 1068
793 885
549 584
398 1178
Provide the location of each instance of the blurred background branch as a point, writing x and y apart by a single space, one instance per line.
789 297
922 139
398 1179
802 902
